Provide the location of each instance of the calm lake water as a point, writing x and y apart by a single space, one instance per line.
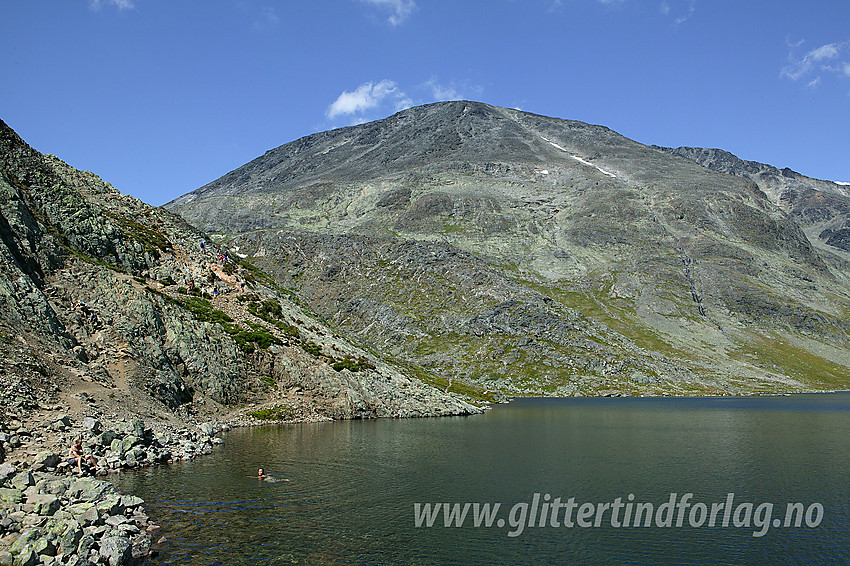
353 486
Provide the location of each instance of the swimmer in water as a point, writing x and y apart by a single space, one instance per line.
262 475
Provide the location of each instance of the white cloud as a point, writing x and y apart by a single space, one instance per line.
399 10
440 92
692 7
679 10
267 18
366 97
374 100
120 4
820 59
813 83
270 15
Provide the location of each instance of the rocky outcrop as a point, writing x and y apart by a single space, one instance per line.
132 298
50 518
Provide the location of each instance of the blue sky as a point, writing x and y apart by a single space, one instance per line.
159 97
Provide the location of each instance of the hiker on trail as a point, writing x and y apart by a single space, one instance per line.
77 454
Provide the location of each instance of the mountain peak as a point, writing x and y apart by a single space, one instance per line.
539 255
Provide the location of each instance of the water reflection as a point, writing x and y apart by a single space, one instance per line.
353 484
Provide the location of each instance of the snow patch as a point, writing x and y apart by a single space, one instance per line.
579 159
544 172
846 184
556 145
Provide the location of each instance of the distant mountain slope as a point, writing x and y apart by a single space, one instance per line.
104 295
822 208
535 255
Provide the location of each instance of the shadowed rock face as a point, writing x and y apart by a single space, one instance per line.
538 255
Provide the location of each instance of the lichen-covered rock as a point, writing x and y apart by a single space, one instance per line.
116 551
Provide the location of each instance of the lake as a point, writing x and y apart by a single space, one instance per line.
570 476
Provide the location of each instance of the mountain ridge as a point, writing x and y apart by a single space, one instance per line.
658 254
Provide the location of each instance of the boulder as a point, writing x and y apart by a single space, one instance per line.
45 461
7 470
27 557
11 495
87 543
44 504
111 505
207 428
70 539
92 425
91 516
27 538
131 501
90 489
107 437
138 428
116 551
23 480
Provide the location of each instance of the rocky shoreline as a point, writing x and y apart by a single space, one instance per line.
52 515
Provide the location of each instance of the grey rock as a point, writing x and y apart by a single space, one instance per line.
107 437
138 428
131 501
115 520
92 425
45 461
70 539
111 505
86 545
90 517
44 504
23 480
27 557
7 470
11 495
27 538
90 489
116 551
207 428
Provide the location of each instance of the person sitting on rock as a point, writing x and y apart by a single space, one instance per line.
76 454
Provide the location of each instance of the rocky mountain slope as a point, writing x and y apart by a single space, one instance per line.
821 208
111 307
534 255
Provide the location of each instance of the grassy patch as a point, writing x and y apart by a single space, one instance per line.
776 354
276 413
312 348
152 239
271 312
352 364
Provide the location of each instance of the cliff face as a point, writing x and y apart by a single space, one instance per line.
535 255
105 298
